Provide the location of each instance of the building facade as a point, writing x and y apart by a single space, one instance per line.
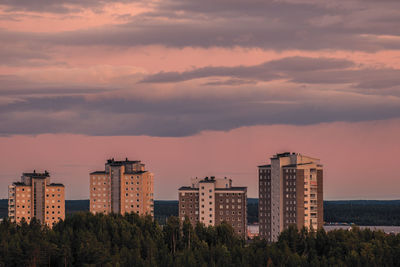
36 197
212 201
290 193
123 187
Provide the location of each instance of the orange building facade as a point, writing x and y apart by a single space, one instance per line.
123 187
36 197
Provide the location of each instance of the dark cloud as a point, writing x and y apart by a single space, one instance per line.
229 82
360 78
17 86
278 25
59 6
319 90
223 98
23 56
267 71
301 70
188 114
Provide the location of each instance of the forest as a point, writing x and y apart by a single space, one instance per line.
84 239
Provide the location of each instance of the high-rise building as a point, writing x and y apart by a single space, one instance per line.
36 197
124 186
212 201
290 193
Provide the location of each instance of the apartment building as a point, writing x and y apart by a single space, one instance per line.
212 201
290 193
123 187
36 197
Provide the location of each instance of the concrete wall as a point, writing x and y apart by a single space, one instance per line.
115 175
39 199
207 203
55 204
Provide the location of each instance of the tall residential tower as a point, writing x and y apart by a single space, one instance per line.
124 186
36 197
290 193
212 201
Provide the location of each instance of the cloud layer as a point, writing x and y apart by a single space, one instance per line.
311 90
48 85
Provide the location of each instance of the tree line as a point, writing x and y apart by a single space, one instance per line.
84 239
359 212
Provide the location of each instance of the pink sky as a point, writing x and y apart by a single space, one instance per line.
201 89
356 166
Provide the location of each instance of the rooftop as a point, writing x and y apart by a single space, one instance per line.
98 172
207 179
281 155
121 162
188 188
233 188
265 166
35 174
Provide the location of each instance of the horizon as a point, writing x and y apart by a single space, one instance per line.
251 198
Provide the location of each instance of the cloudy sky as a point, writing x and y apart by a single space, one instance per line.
196 88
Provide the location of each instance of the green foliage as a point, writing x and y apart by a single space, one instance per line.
84 239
